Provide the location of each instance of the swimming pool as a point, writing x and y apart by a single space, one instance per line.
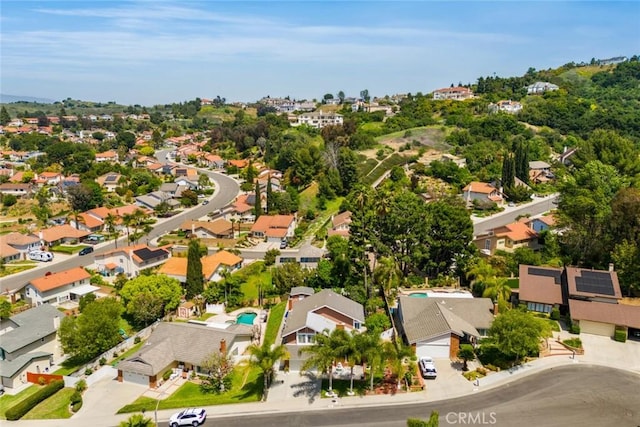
419 295
246 318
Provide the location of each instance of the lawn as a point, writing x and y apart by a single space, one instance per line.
10 269
69 250
54 407
253 283
308 197
514 283
274 321
69 366
7 400
246 387
341 387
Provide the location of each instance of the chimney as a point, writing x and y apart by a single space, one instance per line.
495 308
56 323
223 346
610 266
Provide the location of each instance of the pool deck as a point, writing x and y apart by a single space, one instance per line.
231 317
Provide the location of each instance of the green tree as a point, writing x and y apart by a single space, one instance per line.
508 171
269 196
324 352
522 161
433 421
626 258
9 200
219 367
466 353
287 276
518 334
137 420
189 198
4 116
80 198
166 288
85 300
258 205
264 357
270 257
92 332
5 309
498 289
195 278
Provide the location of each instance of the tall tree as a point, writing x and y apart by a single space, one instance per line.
166 292
508 171
265 357
269 197
324 352
219 367
522 161
195 279
518 334
258 205
4 116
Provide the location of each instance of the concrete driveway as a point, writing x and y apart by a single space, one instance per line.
449 383
604 350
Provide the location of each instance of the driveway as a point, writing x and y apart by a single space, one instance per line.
604 350
449 383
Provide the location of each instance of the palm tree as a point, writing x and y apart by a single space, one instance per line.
323 352
387 275
351 349
265 357
498 289
110 222
395 353
370 348
479 273
137 420
127 221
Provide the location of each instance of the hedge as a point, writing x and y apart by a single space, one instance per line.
620 336
76 406
21 408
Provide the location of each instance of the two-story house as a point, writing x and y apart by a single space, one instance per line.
319 119
274 228
507 238
340 224
22 243
129 260
457 93
481 192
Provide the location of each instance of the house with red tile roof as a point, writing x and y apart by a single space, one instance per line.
274 228
22 243
213 266
61 234
57 288
340 225
457 93
507 238
107 156
481 192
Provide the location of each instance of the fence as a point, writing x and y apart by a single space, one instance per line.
119 349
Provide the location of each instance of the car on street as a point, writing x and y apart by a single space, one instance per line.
206 202
40 256
189 417
85 251
427 367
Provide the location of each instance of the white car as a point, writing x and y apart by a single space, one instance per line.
40 256
427 367
189 417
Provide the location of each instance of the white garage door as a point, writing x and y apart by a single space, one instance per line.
135 378
597 328
437 349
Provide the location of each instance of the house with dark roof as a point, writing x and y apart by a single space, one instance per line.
592 298
436 327
182 347
129 260
109 181
28 344
313 314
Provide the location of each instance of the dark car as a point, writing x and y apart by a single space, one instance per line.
85 251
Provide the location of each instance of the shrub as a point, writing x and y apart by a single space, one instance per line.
620 336
167 375
21 408
76 406
102 361
573 342
42 381
555 314
75 397
574 328
88 371
137 340
81 386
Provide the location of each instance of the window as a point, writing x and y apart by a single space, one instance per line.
487 244
305 338
356 325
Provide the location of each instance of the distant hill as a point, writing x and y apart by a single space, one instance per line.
7 99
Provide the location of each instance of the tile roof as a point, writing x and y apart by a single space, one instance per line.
30 326
426 318
62 278
58 232
516 231
341 218
90 220
219 227
18 239
211 263
479 187
175 266
540 284
266 222
185 342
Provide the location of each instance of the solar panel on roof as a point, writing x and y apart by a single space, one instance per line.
147 254
111 178
595 282
545 273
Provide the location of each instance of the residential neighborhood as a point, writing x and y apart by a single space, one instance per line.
351 249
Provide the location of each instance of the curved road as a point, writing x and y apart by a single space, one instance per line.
571 395
227 190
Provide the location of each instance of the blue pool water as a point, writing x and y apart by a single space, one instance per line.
418 295
246 318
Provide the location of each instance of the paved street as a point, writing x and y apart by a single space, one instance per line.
509 215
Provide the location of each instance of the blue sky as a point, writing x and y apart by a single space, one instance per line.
148 52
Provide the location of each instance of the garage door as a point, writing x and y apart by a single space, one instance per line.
597 328
437 349
135 378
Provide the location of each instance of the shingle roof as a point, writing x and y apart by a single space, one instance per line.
540 284
183 342
617 314
425 318
9 368
58 232
301 290
326 298
31 325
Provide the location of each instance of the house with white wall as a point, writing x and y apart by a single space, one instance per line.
56 288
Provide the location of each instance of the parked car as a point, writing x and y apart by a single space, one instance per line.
283 245
189 417
427 367
85 251
40 256
206 202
